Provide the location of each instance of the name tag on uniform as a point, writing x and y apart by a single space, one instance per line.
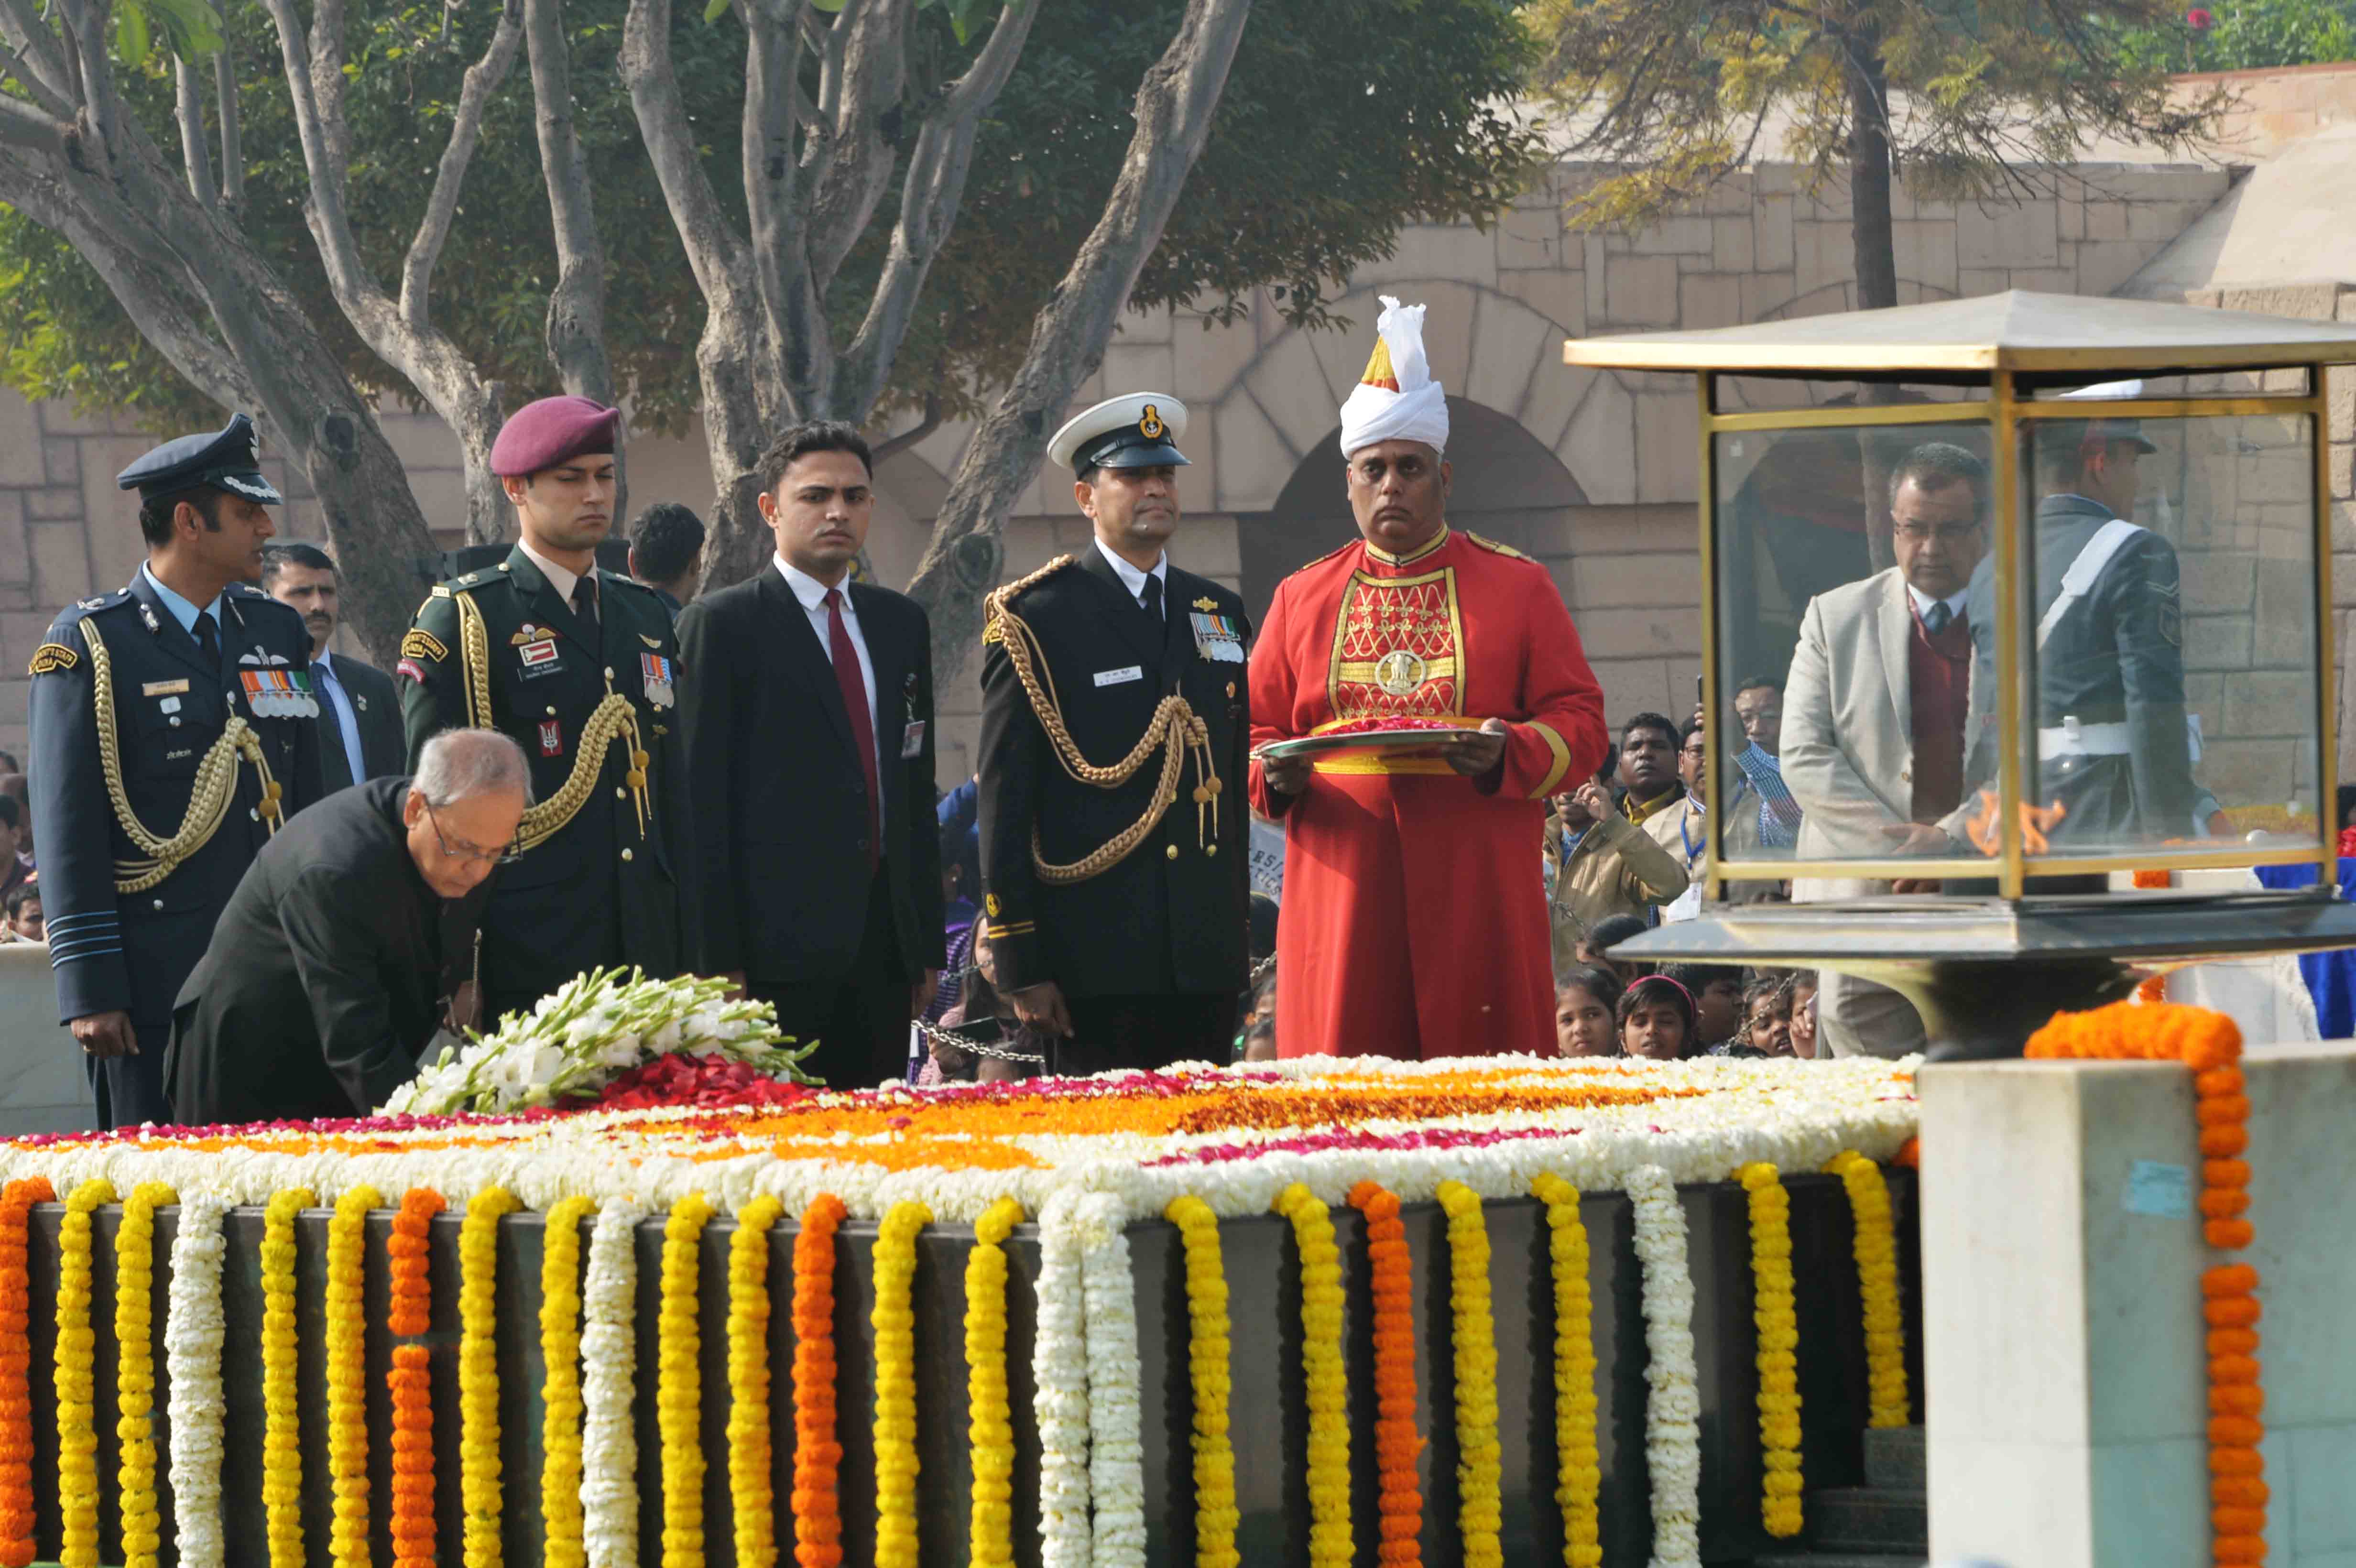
1119 677
912 740
163 688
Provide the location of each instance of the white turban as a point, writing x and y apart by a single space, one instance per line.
1395 399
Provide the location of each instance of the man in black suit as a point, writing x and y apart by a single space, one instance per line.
360 713
1115 730
334 962
806 723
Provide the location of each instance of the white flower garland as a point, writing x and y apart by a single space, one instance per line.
609 1444
1115 1420
1059 1374
1673 1408
193 1332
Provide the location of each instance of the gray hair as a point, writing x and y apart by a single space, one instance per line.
459 764
1935 464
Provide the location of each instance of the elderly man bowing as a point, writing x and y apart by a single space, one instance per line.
339 952
1414 923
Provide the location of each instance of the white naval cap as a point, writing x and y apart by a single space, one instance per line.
1139 430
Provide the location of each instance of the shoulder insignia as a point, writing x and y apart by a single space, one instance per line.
991 630
97 604
1331 554
423 644
440 591
52 656
1036 578
1492 545
247 591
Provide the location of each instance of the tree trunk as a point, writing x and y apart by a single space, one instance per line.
1877 259
1174 112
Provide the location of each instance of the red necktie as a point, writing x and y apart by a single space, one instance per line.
863 724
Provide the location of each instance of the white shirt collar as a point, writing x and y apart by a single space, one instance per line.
562 581
1922 602
183 610
1132 579
809 589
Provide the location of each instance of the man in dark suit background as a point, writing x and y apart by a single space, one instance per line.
807 722
360 713
334 964
666 553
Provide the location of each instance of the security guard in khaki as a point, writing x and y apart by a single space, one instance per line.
582 669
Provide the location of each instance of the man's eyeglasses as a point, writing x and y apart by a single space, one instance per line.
1947 533
470 854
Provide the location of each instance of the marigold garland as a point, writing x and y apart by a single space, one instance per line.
751 1502
989 1537
1779 1342
1327 1389
281 1430
74 1383
818 1518
1216 1514
348 1528
411 1381
1579 1465
478 1373
894 1321
678 1385
1479 1510
135 1372
2210 1043
16 1200
1876 1248
559 1389
1399 1505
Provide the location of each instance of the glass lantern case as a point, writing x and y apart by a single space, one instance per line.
2004 597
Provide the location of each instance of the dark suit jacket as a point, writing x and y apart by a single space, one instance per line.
778 801
1172 916
325 975
376 709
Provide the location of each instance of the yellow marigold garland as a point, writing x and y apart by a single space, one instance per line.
1579 1465
75 1383
135 1372
348 1531
752 1501
1321 1370
1215 1515
1779 1342
989 1537
478 1372
281 1430
894 1320
1877 1281
678 1385
559 1389
1480 1508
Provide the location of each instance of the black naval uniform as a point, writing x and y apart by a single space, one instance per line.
1150 953
120 937
603 888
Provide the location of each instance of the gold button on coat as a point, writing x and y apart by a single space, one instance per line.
626 854
1172 851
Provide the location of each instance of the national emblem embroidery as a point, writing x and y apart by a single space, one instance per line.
1397 645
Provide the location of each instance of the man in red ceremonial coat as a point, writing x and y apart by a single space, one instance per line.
1414 920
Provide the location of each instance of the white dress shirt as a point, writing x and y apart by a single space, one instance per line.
812 594
1134 580
558 578
340 702
185 611
1922 603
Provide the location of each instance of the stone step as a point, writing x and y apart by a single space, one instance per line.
1836 1560
1894 1459
1869 1518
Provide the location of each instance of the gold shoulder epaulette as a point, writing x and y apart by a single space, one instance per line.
1329 555
1492 545
50 657
993 607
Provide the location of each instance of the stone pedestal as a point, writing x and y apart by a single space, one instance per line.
2063 1347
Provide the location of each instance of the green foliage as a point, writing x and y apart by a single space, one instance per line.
1324 145
2248 35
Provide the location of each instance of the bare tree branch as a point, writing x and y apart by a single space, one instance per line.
38 61
190 104
576 307
232 140
913 435
23 124
850 166
85 35
715 252
482 80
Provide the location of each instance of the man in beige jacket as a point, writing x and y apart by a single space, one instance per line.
1598 864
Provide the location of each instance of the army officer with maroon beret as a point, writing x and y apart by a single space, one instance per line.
581 668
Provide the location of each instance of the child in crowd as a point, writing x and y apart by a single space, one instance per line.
1767 1015
23 905
1804 1014
1586 1000
1604 936
1717 990
1656 1020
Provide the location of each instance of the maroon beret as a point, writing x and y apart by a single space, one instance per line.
553 431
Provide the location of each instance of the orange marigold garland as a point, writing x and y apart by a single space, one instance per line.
818 1518
16 1200
411 1381
2208 1043
1397 1442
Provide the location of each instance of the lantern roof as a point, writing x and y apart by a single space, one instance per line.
2010 331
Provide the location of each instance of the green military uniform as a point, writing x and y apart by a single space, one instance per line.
592 703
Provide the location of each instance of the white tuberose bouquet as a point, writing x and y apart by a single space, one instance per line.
597 1027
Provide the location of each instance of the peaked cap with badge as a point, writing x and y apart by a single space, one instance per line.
163 766
1115 881
591 697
